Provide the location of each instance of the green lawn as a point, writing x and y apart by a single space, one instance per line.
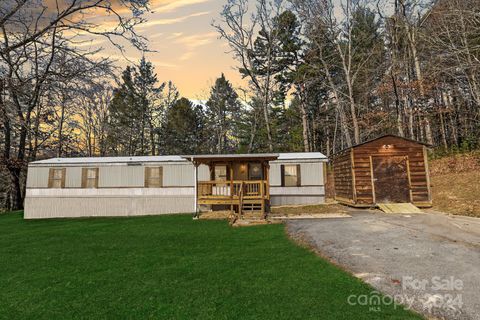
168 267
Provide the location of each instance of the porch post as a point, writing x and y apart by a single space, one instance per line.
195 197
231 186
267 179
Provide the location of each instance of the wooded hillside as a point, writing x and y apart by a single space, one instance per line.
462 197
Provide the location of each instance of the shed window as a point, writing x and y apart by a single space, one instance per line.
154 177
291 176
90 178
56 178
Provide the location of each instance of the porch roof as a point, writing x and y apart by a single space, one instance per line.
207 158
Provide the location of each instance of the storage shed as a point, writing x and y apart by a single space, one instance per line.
389 169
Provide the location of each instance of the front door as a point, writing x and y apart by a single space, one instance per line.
390 178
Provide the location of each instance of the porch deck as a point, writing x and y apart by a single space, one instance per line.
239 193
233 189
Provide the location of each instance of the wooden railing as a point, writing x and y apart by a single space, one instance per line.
226 189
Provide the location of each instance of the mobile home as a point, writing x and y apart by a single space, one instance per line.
130 186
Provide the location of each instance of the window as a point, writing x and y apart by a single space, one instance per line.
220 173
90 178
291 175
153 177
255 171
56 178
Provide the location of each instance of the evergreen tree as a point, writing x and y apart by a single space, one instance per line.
290 49
223 112
136 112
148 96
369 55
183 130
123 126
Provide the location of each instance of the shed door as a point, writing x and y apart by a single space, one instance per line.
391 179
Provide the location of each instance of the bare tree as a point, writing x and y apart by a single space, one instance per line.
92 108
34 42
240 33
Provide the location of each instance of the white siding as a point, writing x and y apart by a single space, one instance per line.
73 177
312 173
296 200
109 192
178 175
37 177
203 173
121 176
310 190
275 175
53 207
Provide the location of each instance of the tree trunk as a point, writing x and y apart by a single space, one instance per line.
443 131
353 114
397 107
428 130
306 142
60 130
17 203
152 140
253 132
267 124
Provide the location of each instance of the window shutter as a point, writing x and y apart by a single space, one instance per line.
156 182
299 176
64 171
84 177
282 175
96 177
160 172
147 177
50 177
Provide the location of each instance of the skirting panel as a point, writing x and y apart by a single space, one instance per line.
64 207
296 200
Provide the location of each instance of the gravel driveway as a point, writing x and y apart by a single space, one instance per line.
428 261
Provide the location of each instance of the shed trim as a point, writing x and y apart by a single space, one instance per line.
378 138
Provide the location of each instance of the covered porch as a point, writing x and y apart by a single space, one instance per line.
239 183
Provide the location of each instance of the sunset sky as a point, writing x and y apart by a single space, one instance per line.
188 50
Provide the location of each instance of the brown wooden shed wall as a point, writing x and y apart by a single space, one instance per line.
343 177
361 167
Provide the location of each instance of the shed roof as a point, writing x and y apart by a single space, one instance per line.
144 159
390 135
381 137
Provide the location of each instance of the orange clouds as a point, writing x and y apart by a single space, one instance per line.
164 6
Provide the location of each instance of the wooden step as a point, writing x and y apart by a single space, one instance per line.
252 215
403 208
252 207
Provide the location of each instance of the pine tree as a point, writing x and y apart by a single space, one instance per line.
123 126
136 112
223 112
183 130
148 94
